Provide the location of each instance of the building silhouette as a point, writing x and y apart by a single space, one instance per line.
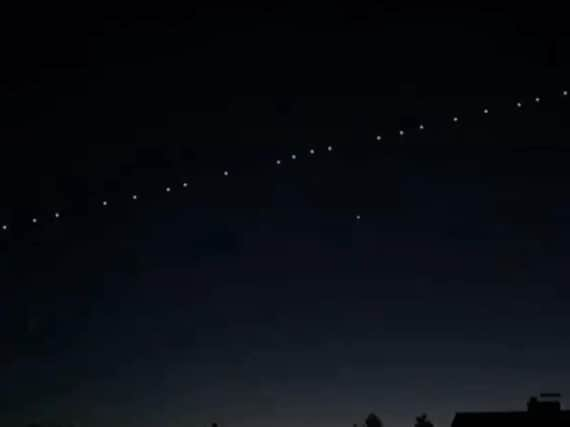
543 412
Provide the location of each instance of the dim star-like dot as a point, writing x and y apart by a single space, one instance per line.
168 189
34 220
357 217
135 197
56 214
278 162
329 148
421 127
4 227
537 99
378 138
104 202
293 156
185 185
485 111
565 93
311 151
519 104
456 119
226 173
401 132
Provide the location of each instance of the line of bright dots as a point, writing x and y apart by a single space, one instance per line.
168 189
485 111
294 157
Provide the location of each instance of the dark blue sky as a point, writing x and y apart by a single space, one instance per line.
258 298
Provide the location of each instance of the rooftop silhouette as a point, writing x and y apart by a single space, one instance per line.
543 412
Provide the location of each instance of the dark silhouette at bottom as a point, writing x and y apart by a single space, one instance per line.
540 413
423 421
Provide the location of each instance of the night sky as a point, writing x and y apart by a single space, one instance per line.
423 272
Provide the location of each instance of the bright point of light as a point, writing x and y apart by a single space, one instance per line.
104 202
537 99
329 148
4 227
485 111
378 138
401 132
421 127
185 185
357 217
456 119
34 220
519 104
565 93
278 162
293 156
226 173
135 197
311 151
56 214
168 189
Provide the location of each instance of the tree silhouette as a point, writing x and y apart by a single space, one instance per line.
372 420
423 421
